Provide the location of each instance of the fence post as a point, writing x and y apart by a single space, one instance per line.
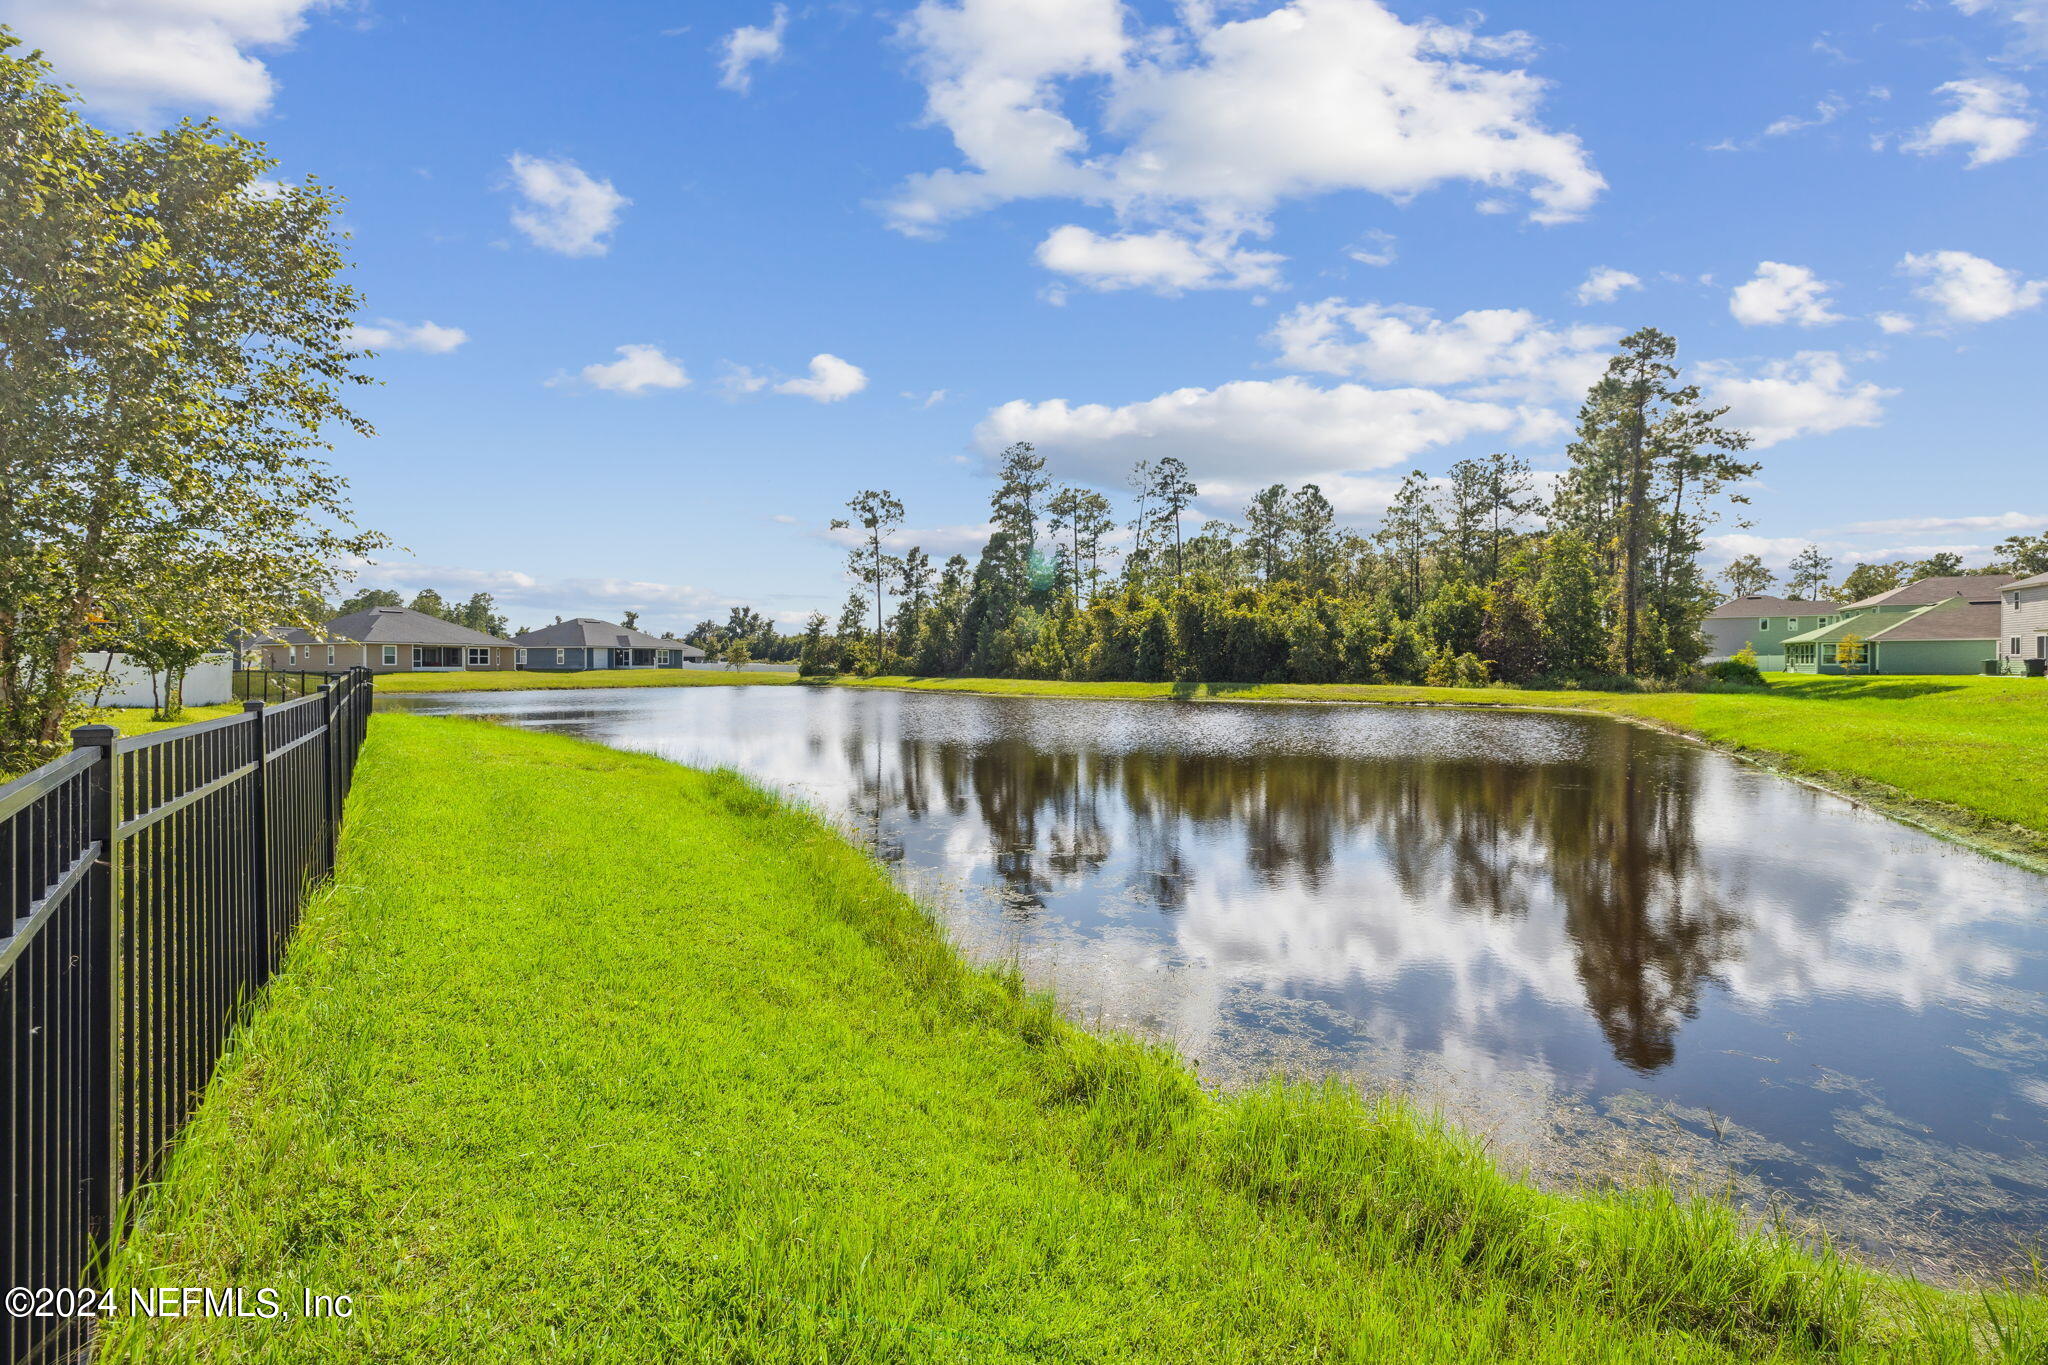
259 827
330 770
106 997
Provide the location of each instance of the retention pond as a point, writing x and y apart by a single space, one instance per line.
1612 952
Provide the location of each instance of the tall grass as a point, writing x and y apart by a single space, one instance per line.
587 1056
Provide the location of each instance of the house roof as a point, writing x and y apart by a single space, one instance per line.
588 631
1953 620
2039 580
1979 587
1758 605
388 626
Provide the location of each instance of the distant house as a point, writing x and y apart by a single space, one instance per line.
2023 626
586 642
388 640
1937 625
1764 624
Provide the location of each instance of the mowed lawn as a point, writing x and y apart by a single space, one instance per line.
1969 753
525 681
586 1056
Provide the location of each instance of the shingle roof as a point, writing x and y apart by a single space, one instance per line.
2039 580
588 631
1980 587
390 626
1758 604
1961 621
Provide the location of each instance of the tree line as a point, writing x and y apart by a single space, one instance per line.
1810 575
1484 574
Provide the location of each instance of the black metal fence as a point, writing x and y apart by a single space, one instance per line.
150 884
278 684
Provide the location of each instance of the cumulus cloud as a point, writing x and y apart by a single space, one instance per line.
1894 324
1373 248
1964 288
1209 127
1780 293
639 368
135 60
1162 261
748 45
1991 120
1605 284
566 209
1809 395
1248 431
386 335
1495 353
830 380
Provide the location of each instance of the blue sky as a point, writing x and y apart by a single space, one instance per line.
697 272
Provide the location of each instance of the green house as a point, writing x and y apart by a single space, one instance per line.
1937 625
1763 623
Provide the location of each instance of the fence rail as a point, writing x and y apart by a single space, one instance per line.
284 684
148 886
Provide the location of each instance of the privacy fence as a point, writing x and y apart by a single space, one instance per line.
150 884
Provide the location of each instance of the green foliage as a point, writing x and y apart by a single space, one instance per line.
1737 670
175 357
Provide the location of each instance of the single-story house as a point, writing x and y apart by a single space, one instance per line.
1937 625
586 642
388 640
1763 623
2023 626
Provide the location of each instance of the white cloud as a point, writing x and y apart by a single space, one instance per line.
1991 118
567 209
936 541
640 367
1781 293
1498 353
1894 324
1163 261
1374 248
1809 395
831 379
136 59
1967 288
1997 521
664 606
1248 431
1605 284
386 335
745 46
2028 17
1209 127
1825 112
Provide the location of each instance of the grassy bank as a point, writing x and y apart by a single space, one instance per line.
603 677
588 1056
1956 753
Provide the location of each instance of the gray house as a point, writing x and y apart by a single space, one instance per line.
2023 626
1763 623
386 640
584 643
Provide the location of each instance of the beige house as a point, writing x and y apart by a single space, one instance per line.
388 640
2023 626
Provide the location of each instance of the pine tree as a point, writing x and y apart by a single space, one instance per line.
1569 600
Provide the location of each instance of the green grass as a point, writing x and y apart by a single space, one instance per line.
1961 754
134 720
587 1056
601 677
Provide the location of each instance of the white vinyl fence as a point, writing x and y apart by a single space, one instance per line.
209 682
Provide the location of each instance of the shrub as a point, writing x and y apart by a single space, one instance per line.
1736 670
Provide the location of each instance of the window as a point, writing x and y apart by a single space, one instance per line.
561 657
479 657
2015 643
1764 626
292 656
1792 624
330 656
519 657
2041 646
391 656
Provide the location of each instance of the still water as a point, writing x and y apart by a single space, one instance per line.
1611 952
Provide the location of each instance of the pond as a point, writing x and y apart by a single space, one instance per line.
1611 952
